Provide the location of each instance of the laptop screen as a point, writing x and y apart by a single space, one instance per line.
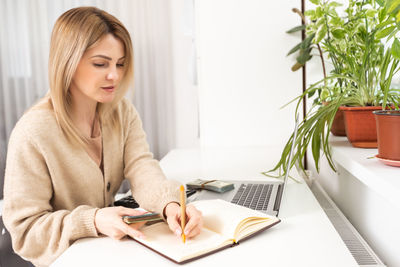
288 164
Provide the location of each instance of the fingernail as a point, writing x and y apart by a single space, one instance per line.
186 232
178 232
142 236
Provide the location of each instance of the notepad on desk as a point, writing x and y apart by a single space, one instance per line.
225 224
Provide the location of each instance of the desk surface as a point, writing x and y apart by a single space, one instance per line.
305 237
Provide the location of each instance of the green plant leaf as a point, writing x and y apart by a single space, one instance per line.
294 49
315 2
338 33
319 12
381 14
381 2
304 56
320 22
336 21
310 94
384 24
296 29
392 34
307 41
392 5
324 94
316 146
370 13
385 32
334 4
396 49
310 14
321 34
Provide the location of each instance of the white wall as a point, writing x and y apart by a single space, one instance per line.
244 74
186 91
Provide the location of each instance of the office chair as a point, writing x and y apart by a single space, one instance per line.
7 256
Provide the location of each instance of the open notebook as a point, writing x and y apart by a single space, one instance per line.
225 225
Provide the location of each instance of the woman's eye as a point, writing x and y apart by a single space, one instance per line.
98 65
120 65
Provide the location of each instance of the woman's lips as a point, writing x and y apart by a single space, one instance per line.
109 89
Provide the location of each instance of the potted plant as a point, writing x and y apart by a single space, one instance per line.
388 125
371 96
361 63
388 130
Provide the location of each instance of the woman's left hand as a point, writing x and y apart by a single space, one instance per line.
194 220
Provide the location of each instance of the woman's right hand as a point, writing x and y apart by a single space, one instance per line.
108 221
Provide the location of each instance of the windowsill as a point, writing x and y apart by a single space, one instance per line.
379 177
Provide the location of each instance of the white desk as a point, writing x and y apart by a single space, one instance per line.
305 237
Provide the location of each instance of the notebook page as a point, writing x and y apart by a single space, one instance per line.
223 217
162 239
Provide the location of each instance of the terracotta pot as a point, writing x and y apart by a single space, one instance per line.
338 127
388 130
360 126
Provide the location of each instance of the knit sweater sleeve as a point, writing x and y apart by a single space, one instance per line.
39 233
149 186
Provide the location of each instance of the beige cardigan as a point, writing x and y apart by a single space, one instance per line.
52 189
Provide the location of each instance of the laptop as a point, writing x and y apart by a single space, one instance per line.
264 196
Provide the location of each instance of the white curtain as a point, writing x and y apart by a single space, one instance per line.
25 28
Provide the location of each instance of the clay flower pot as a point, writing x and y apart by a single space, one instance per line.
338 127
360 126
388 131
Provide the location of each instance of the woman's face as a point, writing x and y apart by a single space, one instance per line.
99 71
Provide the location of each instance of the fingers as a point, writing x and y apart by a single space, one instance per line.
195 222
132 229
194 232
116 234
133 232
108 221
122 229
174 224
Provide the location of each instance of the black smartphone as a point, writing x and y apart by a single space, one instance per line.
147 217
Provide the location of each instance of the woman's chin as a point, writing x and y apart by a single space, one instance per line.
106 99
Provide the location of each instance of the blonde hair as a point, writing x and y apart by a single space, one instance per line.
74 32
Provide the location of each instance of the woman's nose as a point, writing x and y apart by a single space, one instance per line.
112 74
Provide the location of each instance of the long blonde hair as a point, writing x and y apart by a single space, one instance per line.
74 32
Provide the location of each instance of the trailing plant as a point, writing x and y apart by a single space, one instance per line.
356 47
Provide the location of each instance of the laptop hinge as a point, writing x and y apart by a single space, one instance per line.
278 198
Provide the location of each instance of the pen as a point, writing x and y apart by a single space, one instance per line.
183 212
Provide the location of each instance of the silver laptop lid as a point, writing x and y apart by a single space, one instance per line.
264 196
288 163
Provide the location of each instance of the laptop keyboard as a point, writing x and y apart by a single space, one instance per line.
253 196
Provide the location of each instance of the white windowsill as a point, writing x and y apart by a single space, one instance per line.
383 179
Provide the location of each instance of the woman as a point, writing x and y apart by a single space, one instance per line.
69 153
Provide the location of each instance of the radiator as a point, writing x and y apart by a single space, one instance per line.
358 247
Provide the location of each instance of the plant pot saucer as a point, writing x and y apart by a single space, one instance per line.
365 144
390 162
